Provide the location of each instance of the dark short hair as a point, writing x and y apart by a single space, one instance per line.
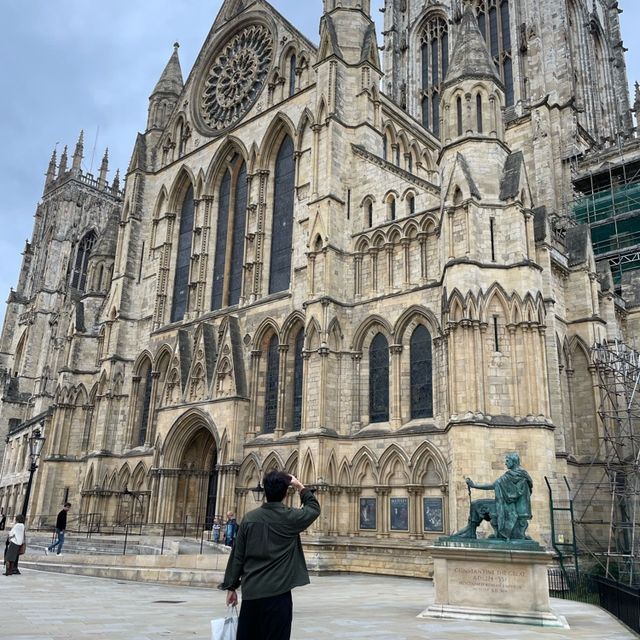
275 485
66 504
20 518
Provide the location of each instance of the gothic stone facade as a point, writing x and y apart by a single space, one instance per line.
361 274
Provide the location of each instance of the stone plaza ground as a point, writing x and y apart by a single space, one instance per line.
50 606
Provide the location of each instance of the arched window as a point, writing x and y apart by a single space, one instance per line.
385 146
494 23
370 213
271 388
85 247
435 62
479 112
411 203
421 373
379 379
297 381
183 258
145 395
292 75
459 114
391 208
228 270
222 231
282 232
398 155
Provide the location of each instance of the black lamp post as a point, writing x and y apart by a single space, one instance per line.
36 442
258 492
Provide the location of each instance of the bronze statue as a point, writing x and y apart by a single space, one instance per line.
509 513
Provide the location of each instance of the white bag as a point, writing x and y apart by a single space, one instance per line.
225 628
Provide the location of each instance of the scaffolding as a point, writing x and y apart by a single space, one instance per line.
610 490
609 202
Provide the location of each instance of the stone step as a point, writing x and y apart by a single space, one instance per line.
178 576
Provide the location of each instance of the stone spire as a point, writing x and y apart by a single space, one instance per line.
636 104
165 94
115 185
51 171
62 168
104 168
77 154
470 57
171 78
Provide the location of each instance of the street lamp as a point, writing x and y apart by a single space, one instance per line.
36 442
258 492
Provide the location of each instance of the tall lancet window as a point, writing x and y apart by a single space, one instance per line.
85 247
183 258
435 62
282 231
228 261
292 74
271 385
297 381
495 26
147 381
421 374
222 232
379 379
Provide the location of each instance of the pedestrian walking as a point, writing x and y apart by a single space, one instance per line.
267 560
3 519
16 540
61 527
230 529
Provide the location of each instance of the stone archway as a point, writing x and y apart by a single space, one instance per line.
187 480
196 488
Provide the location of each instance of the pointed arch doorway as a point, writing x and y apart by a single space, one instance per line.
189 476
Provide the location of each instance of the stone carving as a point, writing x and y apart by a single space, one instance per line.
509 513
236 76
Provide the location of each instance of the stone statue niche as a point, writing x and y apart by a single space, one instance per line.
508 513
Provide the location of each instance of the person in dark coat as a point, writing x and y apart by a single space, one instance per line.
230 529
267 560
61 526
3 519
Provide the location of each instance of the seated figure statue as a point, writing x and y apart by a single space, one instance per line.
509 513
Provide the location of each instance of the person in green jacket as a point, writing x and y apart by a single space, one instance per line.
267 560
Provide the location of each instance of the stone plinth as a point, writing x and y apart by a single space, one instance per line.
492 585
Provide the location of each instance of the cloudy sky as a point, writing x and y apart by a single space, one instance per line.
73 64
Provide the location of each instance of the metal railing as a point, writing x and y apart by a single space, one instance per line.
127 536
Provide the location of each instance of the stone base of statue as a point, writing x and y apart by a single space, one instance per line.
492 581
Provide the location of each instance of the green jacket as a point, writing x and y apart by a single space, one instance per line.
267 558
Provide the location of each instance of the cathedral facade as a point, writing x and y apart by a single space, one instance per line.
355 265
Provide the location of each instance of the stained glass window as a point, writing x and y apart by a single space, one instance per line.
222 231
435 63
85 247
379 379
282 232
421 373
183 259
271 386
237 240
146 403
297 381
494 23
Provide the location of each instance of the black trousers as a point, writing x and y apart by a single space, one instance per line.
266 618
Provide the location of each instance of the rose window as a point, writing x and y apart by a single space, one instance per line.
236 77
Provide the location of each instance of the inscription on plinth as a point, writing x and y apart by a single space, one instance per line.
496 580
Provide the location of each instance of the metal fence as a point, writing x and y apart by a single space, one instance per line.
619 599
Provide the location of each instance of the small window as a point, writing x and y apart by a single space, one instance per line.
459 114
292 75
370 213
411 204
479 112
391 207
